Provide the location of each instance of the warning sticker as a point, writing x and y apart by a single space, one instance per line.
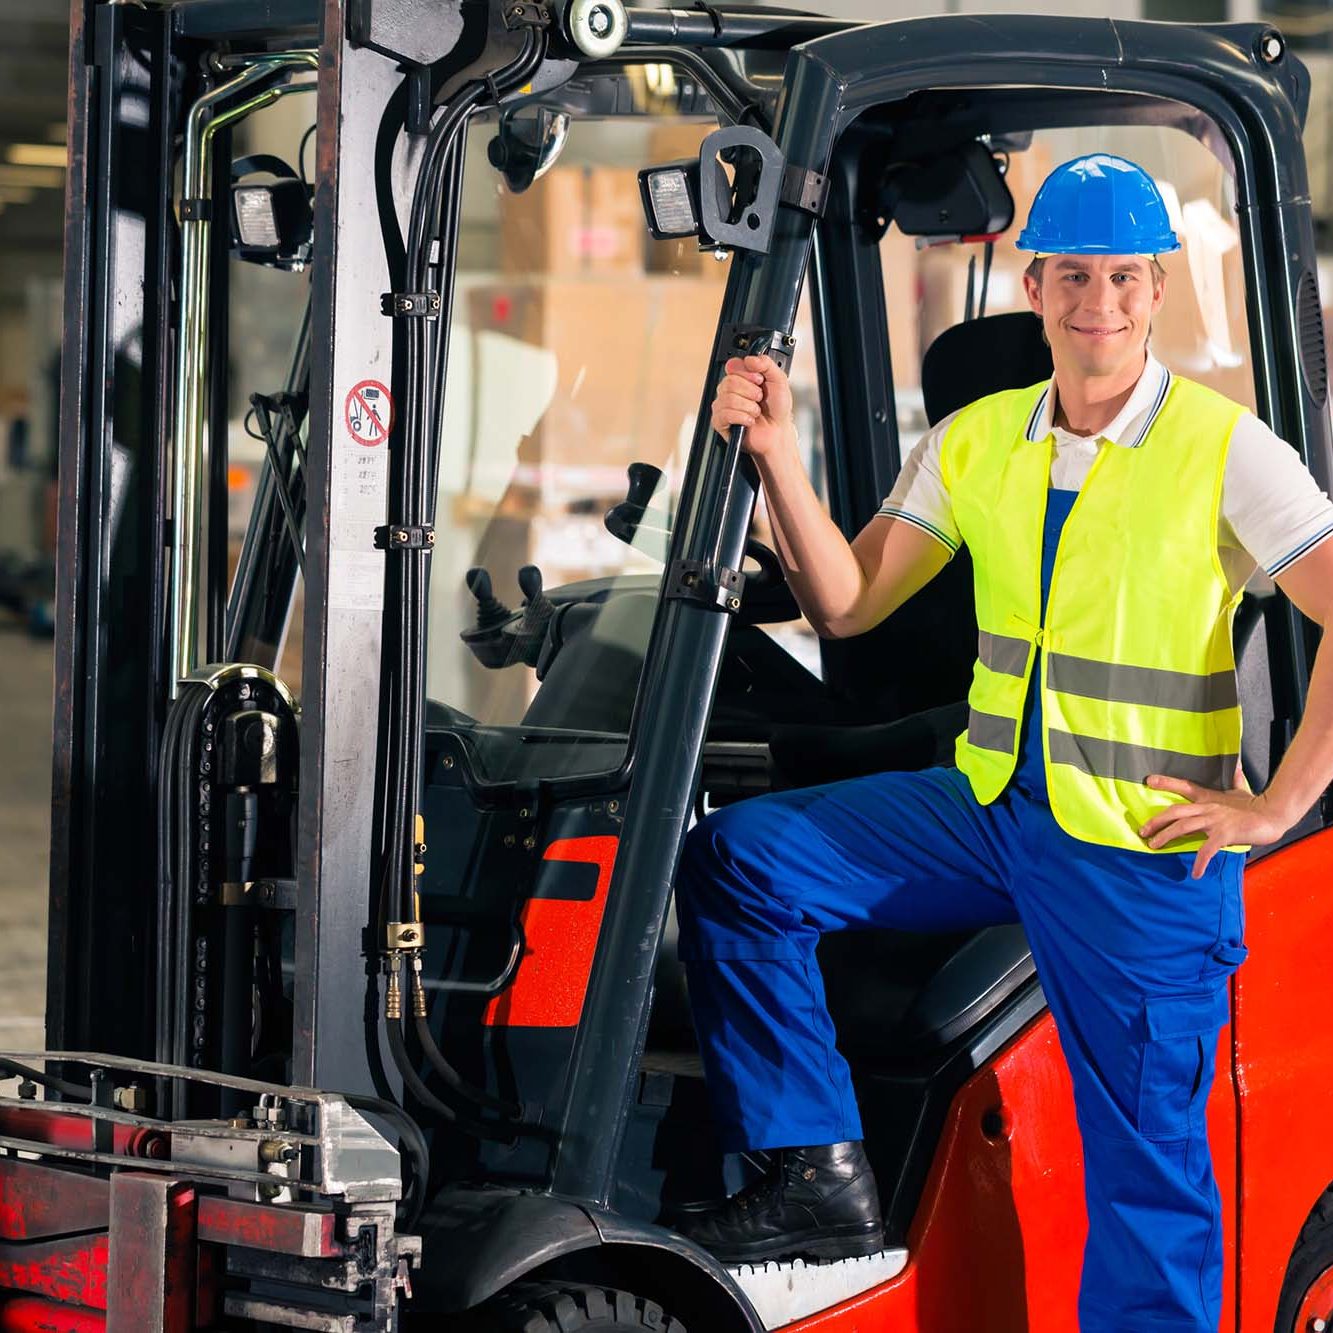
370 413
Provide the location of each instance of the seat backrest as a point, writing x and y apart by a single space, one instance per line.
980 357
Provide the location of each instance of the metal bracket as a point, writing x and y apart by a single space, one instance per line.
752 340
754 230
196 210
803 189
695 581
413 305
405 935
529 15
405 537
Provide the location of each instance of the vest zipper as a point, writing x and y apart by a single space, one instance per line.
1104 446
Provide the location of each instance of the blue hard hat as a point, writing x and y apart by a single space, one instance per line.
1099 205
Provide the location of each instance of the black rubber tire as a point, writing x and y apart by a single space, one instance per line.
571 1307
1312 1255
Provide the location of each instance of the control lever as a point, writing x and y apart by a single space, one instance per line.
633 515
491 611
487 639
502 636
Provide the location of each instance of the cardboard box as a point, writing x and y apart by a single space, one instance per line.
944 279
574 221
616 370
1201 330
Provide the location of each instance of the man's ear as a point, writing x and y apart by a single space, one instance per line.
1032 290
1158 292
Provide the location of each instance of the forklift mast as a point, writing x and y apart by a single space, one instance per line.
423 900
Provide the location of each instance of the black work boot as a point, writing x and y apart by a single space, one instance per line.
819 1203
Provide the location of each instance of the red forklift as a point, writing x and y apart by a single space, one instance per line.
373 762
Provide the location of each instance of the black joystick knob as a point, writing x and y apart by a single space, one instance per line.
643 482
490 610
530 582
537 607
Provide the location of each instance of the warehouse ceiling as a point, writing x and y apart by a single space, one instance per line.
33 77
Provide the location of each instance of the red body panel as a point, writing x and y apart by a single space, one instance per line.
259 1227
1284 1060
560 939
72 1269
28 1314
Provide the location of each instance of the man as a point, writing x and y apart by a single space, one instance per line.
1114 516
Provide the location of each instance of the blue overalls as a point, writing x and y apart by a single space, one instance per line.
1132 953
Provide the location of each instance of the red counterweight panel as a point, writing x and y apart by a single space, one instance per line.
560 940
1283 1054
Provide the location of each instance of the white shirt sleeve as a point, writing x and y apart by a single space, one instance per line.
1272 508
919 496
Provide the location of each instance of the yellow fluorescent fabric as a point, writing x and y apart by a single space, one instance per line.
1137 671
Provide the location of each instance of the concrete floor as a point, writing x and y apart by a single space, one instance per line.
25 826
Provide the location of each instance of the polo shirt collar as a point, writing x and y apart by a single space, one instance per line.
1132 423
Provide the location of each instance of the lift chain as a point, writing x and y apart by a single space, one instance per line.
695 581
411 305
405 537
803 189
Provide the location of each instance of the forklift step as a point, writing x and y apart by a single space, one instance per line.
782 1293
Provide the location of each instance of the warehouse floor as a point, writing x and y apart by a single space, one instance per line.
25 822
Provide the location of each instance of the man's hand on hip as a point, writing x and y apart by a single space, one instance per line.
1235 818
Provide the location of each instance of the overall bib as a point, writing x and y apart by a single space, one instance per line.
1133 956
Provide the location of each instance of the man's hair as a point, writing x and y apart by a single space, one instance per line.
1035 266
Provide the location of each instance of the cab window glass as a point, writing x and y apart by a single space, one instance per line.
577 350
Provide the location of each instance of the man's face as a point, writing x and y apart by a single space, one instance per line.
1096 309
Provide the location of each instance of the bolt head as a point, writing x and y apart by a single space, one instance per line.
1271 49
599 21
1318 1325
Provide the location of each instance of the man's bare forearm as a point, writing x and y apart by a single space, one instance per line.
1307 767
822 569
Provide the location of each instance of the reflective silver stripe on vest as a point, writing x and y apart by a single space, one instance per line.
1007 656
1136 763
1150 686
987 731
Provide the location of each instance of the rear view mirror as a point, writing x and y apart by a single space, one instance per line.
959 193
526 147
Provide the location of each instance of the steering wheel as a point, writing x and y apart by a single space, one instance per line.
770 573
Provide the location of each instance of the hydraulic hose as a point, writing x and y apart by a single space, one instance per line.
74 1091
498 1130
433 217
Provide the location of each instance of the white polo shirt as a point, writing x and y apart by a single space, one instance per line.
1273 512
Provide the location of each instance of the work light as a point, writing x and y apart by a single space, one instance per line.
671 199
272 221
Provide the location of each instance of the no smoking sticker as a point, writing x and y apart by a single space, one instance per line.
370 413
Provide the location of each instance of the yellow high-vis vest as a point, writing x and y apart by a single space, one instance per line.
1137 670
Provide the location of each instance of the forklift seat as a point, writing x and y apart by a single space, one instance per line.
980 357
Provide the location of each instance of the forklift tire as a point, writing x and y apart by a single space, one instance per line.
1307 1289
569 1307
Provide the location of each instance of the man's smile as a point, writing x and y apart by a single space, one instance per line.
1098 331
